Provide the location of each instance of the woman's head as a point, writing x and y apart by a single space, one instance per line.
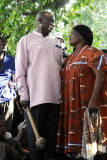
81 33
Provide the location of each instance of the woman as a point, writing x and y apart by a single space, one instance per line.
82 81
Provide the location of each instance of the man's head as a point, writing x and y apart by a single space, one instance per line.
3 43
3 47
44 22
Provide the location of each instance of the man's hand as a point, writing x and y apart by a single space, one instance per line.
24 103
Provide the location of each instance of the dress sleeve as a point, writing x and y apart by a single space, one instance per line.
21 64
97 60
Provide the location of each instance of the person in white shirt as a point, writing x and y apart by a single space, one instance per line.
38 63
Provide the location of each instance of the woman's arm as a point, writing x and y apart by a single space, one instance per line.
97 88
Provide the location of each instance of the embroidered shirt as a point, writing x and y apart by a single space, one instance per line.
38 65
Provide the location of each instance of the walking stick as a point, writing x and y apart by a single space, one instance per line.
40 141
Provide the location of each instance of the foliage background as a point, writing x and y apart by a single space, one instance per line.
17 18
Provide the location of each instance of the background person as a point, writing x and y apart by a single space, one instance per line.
7 84
104 50
7 149
38 65
3 130
58 35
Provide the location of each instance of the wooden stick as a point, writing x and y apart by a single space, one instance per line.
32 123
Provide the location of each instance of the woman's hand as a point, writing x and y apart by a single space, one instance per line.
92 104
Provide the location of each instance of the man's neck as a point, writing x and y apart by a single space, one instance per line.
43 33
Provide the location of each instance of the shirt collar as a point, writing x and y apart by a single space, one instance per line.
38 33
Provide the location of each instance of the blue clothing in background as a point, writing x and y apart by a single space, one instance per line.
6 72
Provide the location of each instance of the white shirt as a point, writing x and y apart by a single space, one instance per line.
38 64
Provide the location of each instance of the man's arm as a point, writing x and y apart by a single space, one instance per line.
21 63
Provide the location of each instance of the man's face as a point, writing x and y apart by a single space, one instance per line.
47 23
3 47
3 44
2 127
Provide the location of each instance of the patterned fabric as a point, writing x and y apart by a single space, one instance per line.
93 140
77 88
8 69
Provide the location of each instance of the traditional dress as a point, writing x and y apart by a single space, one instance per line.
77 87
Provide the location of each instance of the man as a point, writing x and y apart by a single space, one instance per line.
7 93
38 64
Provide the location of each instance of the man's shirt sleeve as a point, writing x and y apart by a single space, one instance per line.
21 63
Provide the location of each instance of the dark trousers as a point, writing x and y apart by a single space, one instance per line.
46 117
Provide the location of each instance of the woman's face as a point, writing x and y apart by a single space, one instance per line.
75 38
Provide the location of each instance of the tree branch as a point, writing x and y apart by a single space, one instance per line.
33 13
58 5
62 3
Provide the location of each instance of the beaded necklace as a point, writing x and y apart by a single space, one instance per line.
68 64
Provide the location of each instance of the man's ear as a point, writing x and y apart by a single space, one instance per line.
40 20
